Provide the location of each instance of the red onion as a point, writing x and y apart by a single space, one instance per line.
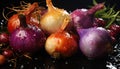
94 42
25 39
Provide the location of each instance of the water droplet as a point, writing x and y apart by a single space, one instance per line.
10 65
36 58
22 66
83 68
66 62
53 61
35 67
2 20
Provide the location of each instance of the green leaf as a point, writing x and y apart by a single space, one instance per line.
113 18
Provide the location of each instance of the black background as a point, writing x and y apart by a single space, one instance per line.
66 4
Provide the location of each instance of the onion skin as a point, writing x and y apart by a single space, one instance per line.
61 44
13 23
27 40
94 42
21 41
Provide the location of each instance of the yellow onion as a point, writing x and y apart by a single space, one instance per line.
52 20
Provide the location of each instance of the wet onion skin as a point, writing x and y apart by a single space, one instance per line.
95 42
25 39
61 45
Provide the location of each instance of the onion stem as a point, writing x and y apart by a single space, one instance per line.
65 23
50 5
113 19
22 19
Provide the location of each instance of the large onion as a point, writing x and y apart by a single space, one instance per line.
94 42
52 20
25 39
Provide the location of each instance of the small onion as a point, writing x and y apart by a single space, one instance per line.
2 59
4 38
52 20
61 43
25 39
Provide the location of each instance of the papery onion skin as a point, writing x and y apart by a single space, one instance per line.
95 42
32 13
61 44
13 23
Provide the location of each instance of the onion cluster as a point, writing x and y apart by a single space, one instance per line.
48 29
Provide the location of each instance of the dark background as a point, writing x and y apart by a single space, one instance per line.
66 4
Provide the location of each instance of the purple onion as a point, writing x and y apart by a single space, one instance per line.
25 39
94 42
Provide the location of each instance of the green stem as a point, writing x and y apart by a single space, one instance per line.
113 19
